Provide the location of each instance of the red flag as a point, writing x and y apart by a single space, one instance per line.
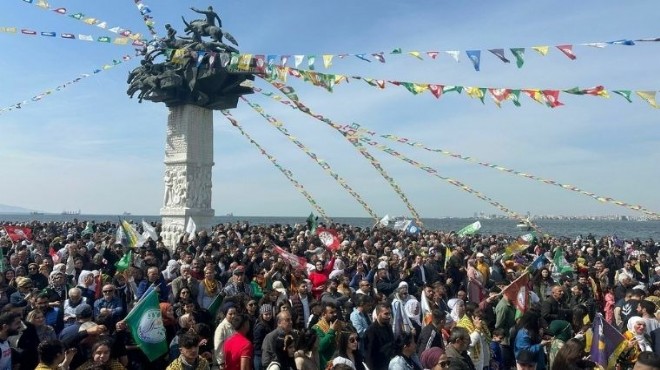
567 50
299 263
16 233
552 98
436 90
329 238
53 254
98 292
518 292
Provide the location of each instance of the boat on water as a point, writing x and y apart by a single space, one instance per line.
71 213
35 213
525 225
230 214
126 214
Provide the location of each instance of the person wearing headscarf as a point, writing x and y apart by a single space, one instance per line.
400 320
412 308
57 290
475 285
171 272
86 285
638 342
434 358
457 307
561 332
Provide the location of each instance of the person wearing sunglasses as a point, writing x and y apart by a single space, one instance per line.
347 351
434 358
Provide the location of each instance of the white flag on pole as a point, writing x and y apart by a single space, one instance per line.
149 231
191 228
385 221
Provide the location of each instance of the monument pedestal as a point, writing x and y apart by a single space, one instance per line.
188 165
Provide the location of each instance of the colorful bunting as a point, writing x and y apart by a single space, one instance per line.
323 164
287 173
148 19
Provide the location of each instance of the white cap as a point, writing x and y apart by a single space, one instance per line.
480 255
382 265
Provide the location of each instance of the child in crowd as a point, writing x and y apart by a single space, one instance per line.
496 357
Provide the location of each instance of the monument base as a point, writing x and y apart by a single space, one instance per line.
188 165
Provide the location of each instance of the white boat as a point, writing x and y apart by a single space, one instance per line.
524 225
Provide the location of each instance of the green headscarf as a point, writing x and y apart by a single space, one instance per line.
561 330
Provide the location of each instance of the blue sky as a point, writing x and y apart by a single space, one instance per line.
92 148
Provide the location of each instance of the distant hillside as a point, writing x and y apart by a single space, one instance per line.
11 209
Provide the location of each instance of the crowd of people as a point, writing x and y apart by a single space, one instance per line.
384 299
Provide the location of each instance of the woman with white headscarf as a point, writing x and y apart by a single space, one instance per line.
413 310
400 320
457 307
86 285
171 271
638 341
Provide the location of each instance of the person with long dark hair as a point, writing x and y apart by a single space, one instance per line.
528 337
307 350
347 351
284 351
571 357
264 325
406 349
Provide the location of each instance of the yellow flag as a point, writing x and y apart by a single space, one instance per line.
121 41
282 72
90 20
327 60
135 36
244 62
543 50
474 92
649 96
42 4
416 54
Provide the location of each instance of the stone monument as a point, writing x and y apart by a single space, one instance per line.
193 80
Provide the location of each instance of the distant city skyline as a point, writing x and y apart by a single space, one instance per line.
89 147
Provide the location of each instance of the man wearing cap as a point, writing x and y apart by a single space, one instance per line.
525 361
237 284
385 284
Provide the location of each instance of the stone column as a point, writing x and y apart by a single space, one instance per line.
188 165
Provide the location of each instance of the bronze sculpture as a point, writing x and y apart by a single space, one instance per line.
194 71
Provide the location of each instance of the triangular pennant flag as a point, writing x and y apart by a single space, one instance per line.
85 38
499 95
543 50
625 93
363 57
597 91
103 25
519 53
450 88
103 39
416 54
535 94
310 61
622 42
475 58
414 88
60 10
552 98
436 90
500 54
121 41
454 54
599 45
327 60
283 60
567 50
476 93
379 56
515 96
649 97
396 51
432 54
297 59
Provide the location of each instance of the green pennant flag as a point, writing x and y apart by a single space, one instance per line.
528 238
215 306
448 88
469 229
575 91
146 323
312 223
515 96
125 262
625 93
561 263
519 53
396 51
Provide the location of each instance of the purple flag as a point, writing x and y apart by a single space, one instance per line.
607 343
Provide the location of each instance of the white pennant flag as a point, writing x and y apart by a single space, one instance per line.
385 221
149 231
191 228
454 54
298 59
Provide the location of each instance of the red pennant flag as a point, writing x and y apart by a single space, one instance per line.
518 292
261 63
436 90
299 263
597 90
500 95
567 50
329 238
432 54
16 233
60 10
552 98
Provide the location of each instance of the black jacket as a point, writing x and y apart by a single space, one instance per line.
429 337
380 346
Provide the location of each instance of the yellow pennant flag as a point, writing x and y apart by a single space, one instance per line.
244 62
42 4
474 92
91 21
543 50
649 97
121 41
327 60
178 55
282 72
535 94
416 54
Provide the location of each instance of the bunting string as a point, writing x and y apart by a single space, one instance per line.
145 12
326 167
546 96
291 94
357 129
136 38
40 96
287 173
67 36
473 55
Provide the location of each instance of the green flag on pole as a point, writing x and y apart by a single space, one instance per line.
3 267
125 262
215 306
312 223
469 229
560 262
147 328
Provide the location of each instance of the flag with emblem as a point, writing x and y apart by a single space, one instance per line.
329 238
16 233
146 324
606 344
469 229
299 263
518 293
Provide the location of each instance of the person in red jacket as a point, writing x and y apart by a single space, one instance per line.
319 277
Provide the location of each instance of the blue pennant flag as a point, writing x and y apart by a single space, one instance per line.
475 57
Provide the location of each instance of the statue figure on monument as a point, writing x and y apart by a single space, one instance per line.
169 182
211 16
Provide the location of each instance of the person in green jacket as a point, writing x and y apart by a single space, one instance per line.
326 329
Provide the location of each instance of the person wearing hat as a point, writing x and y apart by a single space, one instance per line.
434 358
25 291
237 283
264 325
384 282
525 361
58 289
